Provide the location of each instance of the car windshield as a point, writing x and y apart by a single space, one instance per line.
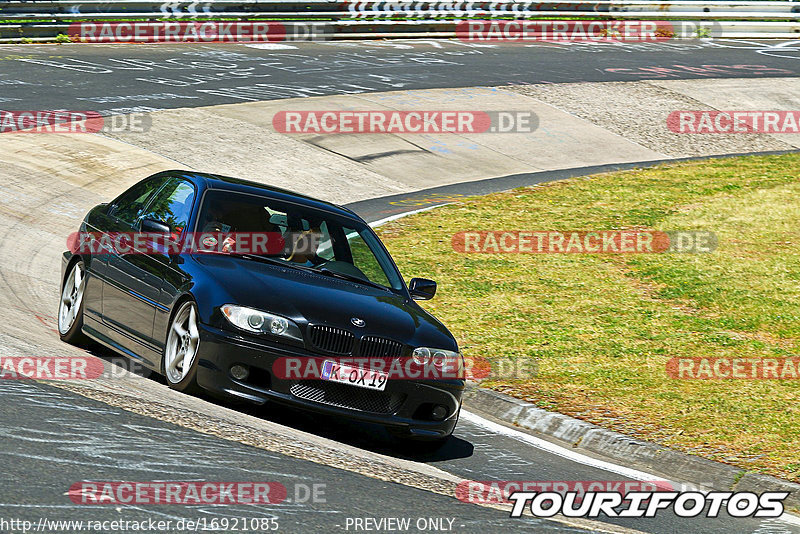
295 235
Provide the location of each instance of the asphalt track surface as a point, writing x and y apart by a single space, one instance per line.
122 78
52 438
74 444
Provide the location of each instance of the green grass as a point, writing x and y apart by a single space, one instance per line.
599 329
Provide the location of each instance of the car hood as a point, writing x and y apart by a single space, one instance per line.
307 297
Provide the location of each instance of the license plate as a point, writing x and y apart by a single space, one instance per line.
355 376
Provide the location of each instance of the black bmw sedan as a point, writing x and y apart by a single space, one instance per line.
262 294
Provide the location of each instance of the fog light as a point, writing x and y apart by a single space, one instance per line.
439 412
239 372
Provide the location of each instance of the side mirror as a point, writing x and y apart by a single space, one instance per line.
421 288
154 227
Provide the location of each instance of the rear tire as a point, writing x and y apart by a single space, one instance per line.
70 309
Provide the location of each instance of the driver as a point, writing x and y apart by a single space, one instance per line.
304 246
224 216
216 219
218 214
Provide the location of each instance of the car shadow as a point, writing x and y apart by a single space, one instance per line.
368 436
371 437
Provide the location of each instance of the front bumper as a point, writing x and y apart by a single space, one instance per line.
404 407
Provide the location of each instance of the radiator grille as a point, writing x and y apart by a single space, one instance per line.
331 340
380 347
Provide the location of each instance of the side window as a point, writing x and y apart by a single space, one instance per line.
128 205
364 259
172 205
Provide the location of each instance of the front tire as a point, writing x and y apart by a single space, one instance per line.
70 310
181 348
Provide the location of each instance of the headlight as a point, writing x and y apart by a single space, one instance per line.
260 322
439 357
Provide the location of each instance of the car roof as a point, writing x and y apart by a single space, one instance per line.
227 183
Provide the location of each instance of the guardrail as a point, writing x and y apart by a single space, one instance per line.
360 19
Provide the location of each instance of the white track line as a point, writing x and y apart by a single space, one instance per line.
405 214
559 450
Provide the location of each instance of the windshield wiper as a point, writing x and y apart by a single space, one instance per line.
349 277
266 259
323 270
